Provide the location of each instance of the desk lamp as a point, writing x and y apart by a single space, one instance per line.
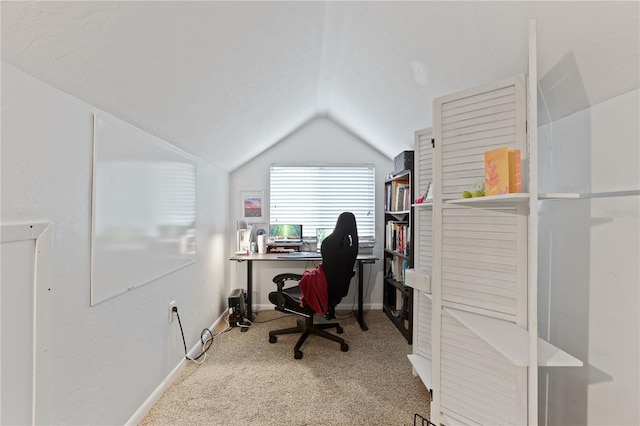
243 236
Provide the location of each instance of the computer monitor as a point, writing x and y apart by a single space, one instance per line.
321 234
285 233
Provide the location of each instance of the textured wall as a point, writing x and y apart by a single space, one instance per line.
108 358
588 295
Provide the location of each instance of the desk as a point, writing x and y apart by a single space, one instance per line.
273 257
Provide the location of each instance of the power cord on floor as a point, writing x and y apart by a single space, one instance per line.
244 324
206 344
272 319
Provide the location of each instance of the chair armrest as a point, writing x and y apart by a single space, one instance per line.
287 276
280 280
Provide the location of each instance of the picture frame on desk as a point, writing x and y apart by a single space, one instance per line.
253 208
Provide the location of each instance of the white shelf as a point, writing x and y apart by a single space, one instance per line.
558 196
512 341
418 280
397 213
493 200
551 356
425 204
506 200
422 366
630 193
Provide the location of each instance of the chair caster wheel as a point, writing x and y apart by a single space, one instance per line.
273 339
297 355
339 330
344 347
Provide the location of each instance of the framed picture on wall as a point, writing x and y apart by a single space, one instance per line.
253 206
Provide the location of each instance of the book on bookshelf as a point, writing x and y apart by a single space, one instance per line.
397 269
399 300
402 194
397 236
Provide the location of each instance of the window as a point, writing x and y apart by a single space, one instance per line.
315 195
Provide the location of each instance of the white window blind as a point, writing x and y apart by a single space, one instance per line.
315 195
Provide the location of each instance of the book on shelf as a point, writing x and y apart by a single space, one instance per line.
395 268
502 171
399 300
388 268
402 195
496 171
515 171
397 196
397 236
388 195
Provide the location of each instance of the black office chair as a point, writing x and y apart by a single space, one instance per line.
339 252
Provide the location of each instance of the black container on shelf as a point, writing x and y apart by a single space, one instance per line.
403 161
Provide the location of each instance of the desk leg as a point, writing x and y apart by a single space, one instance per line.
249 306
360 316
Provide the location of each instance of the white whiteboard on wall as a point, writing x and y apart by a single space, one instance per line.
143 209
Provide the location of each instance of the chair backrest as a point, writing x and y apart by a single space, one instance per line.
339 252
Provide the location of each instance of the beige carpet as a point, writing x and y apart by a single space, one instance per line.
248 381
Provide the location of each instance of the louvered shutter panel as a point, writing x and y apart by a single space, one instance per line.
483 255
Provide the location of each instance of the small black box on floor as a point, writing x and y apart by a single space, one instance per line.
403 161
237 306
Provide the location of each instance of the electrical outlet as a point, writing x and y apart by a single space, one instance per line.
172 314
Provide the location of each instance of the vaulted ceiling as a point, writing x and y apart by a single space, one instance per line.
227 80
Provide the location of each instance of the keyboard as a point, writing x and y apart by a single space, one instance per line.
300 255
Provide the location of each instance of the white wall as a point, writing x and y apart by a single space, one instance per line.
106 359
319 141
589 290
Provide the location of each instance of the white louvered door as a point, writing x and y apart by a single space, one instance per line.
480 255
420 276
480 258
423 221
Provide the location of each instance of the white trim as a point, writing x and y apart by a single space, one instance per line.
41 232
532 312
148 404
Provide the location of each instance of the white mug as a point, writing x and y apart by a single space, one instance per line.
262 244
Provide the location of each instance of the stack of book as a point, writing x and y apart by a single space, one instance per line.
397 236
397 196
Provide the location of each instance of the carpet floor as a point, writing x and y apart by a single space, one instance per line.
246 380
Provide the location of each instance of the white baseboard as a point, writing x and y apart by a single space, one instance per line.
141 412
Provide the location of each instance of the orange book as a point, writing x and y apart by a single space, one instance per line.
496 171
515 172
